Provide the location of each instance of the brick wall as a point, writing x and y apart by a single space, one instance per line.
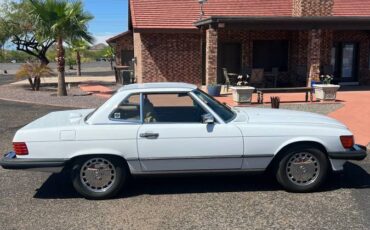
326 46
312 7
138 57
363 40
299 42
177 57
124 43
168 57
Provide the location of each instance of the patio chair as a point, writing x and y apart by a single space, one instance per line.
257 79
228 81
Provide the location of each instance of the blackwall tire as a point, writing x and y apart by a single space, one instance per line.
99 177
302 169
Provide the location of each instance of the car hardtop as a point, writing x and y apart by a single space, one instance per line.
158 87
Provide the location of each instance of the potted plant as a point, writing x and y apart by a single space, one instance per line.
326 91
242 93
214 89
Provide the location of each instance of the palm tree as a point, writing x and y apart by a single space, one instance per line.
109 53
78 46
62 20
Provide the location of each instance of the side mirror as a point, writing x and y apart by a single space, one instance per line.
208 118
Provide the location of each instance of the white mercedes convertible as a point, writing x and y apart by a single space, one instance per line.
163 128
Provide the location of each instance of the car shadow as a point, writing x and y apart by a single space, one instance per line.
58 186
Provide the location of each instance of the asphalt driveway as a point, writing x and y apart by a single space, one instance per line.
33 200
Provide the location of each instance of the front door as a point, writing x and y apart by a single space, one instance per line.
229 58
173 137
345 61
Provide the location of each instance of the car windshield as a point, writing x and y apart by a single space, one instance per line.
222 110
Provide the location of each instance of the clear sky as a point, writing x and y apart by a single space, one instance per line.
111 17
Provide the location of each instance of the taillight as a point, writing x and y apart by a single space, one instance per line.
20 148
347 141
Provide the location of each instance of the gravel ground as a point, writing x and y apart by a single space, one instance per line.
18 93
34 200
47 96
6 79
91 68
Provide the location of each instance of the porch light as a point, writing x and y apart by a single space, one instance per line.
202 2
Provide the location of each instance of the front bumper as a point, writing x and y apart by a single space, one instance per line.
10 161
357 152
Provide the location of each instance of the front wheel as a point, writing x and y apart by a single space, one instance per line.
98 177
302 169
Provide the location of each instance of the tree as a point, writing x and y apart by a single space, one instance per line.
109 53
34 72
78 46
61 20
20 29
4 36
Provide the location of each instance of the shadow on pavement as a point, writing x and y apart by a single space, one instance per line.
58 186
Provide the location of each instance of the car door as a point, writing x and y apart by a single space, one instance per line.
174 138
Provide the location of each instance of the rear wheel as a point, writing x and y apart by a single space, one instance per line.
98 177
302 169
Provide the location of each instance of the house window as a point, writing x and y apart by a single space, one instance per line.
268 54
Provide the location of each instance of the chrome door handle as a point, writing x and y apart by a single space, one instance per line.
149 135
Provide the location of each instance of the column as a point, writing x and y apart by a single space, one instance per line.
211 55
313 56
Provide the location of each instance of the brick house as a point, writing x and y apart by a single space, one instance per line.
170 41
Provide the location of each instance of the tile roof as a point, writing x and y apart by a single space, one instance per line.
118 36
181 14
351 8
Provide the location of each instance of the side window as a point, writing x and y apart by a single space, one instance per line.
128 110
171 107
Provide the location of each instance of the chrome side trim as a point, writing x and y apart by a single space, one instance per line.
195 164
190 158
205 171
207 157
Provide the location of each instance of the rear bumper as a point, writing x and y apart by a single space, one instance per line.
10 161
357 152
